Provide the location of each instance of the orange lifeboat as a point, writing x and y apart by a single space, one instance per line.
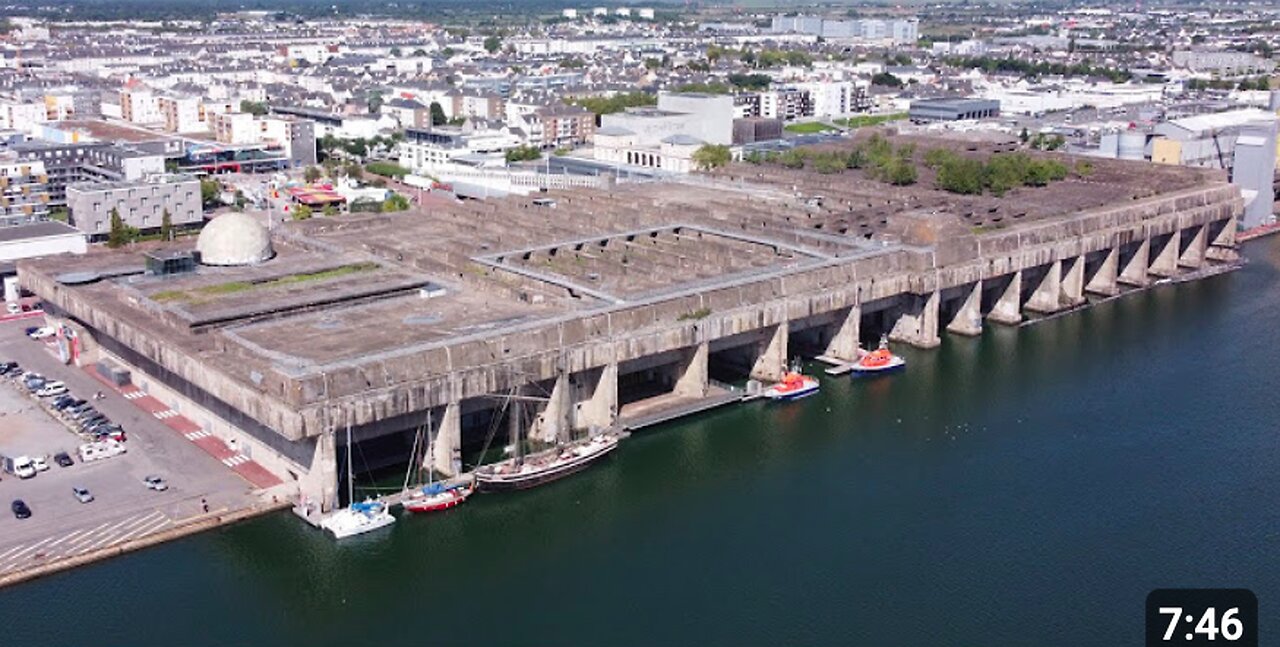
879 360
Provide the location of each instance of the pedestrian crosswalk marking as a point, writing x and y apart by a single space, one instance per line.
197 435
238 459
167 413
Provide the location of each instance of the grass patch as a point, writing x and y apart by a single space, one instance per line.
700 313
197 295
863 121
809 128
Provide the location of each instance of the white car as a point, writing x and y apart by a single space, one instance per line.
50 391
13 308
156 483
39 463
43 332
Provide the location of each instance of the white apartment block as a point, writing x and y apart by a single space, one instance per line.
183 115
236 128
140 107
22 116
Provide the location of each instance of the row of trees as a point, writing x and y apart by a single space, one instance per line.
999 174
876 156
121 234
616 103
1038 68
523 154
764 58
1260 83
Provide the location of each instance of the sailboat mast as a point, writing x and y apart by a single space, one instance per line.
351 477
429 461
513 419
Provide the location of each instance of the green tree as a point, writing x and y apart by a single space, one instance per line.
1024 135
301 212
886 79
166 226
329 211
210 191
523 154
117 236
900 172
312 174
961 175
395 202
437 114
711 156
492 44
354 171
257 108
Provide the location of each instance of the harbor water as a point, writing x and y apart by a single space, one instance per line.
1028 487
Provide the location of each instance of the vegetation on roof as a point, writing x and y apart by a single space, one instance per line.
203 293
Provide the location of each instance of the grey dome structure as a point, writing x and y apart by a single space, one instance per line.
234 239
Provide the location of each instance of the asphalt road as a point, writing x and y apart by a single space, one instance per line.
124 508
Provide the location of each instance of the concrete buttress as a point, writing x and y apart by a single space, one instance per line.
1008 306
968 319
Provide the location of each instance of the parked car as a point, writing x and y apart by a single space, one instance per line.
93 421
51 391
65 400
20 509
75 410
19 466
82 495
63 459
155 483
13 308
43 332
86 413
31 330
39 463
9 367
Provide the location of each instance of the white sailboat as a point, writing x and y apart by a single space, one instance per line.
356 518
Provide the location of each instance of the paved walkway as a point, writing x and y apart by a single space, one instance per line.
82 541
246 467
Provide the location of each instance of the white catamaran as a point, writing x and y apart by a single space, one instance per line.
356 518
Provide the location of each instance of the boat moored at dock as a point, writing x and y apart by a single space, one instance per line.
358 518
521 473
880 360
435 497
794 385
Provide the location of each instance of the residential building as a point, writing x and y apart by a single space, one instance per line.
236 128
21 115
141 204
426 148
24 191
140 106
565 126
183 114
70 163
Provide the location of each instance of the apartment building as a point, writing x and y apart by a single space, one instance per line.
70 163
183 114
141 204
565 126
24 191
140 107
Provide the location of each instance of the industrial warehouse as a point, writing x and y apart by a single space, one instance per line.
589 310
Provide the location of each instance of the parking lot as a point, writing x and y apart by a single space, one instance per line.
123 508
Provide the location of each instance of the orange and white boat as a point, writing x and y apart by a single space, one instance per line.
794 385
880 360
